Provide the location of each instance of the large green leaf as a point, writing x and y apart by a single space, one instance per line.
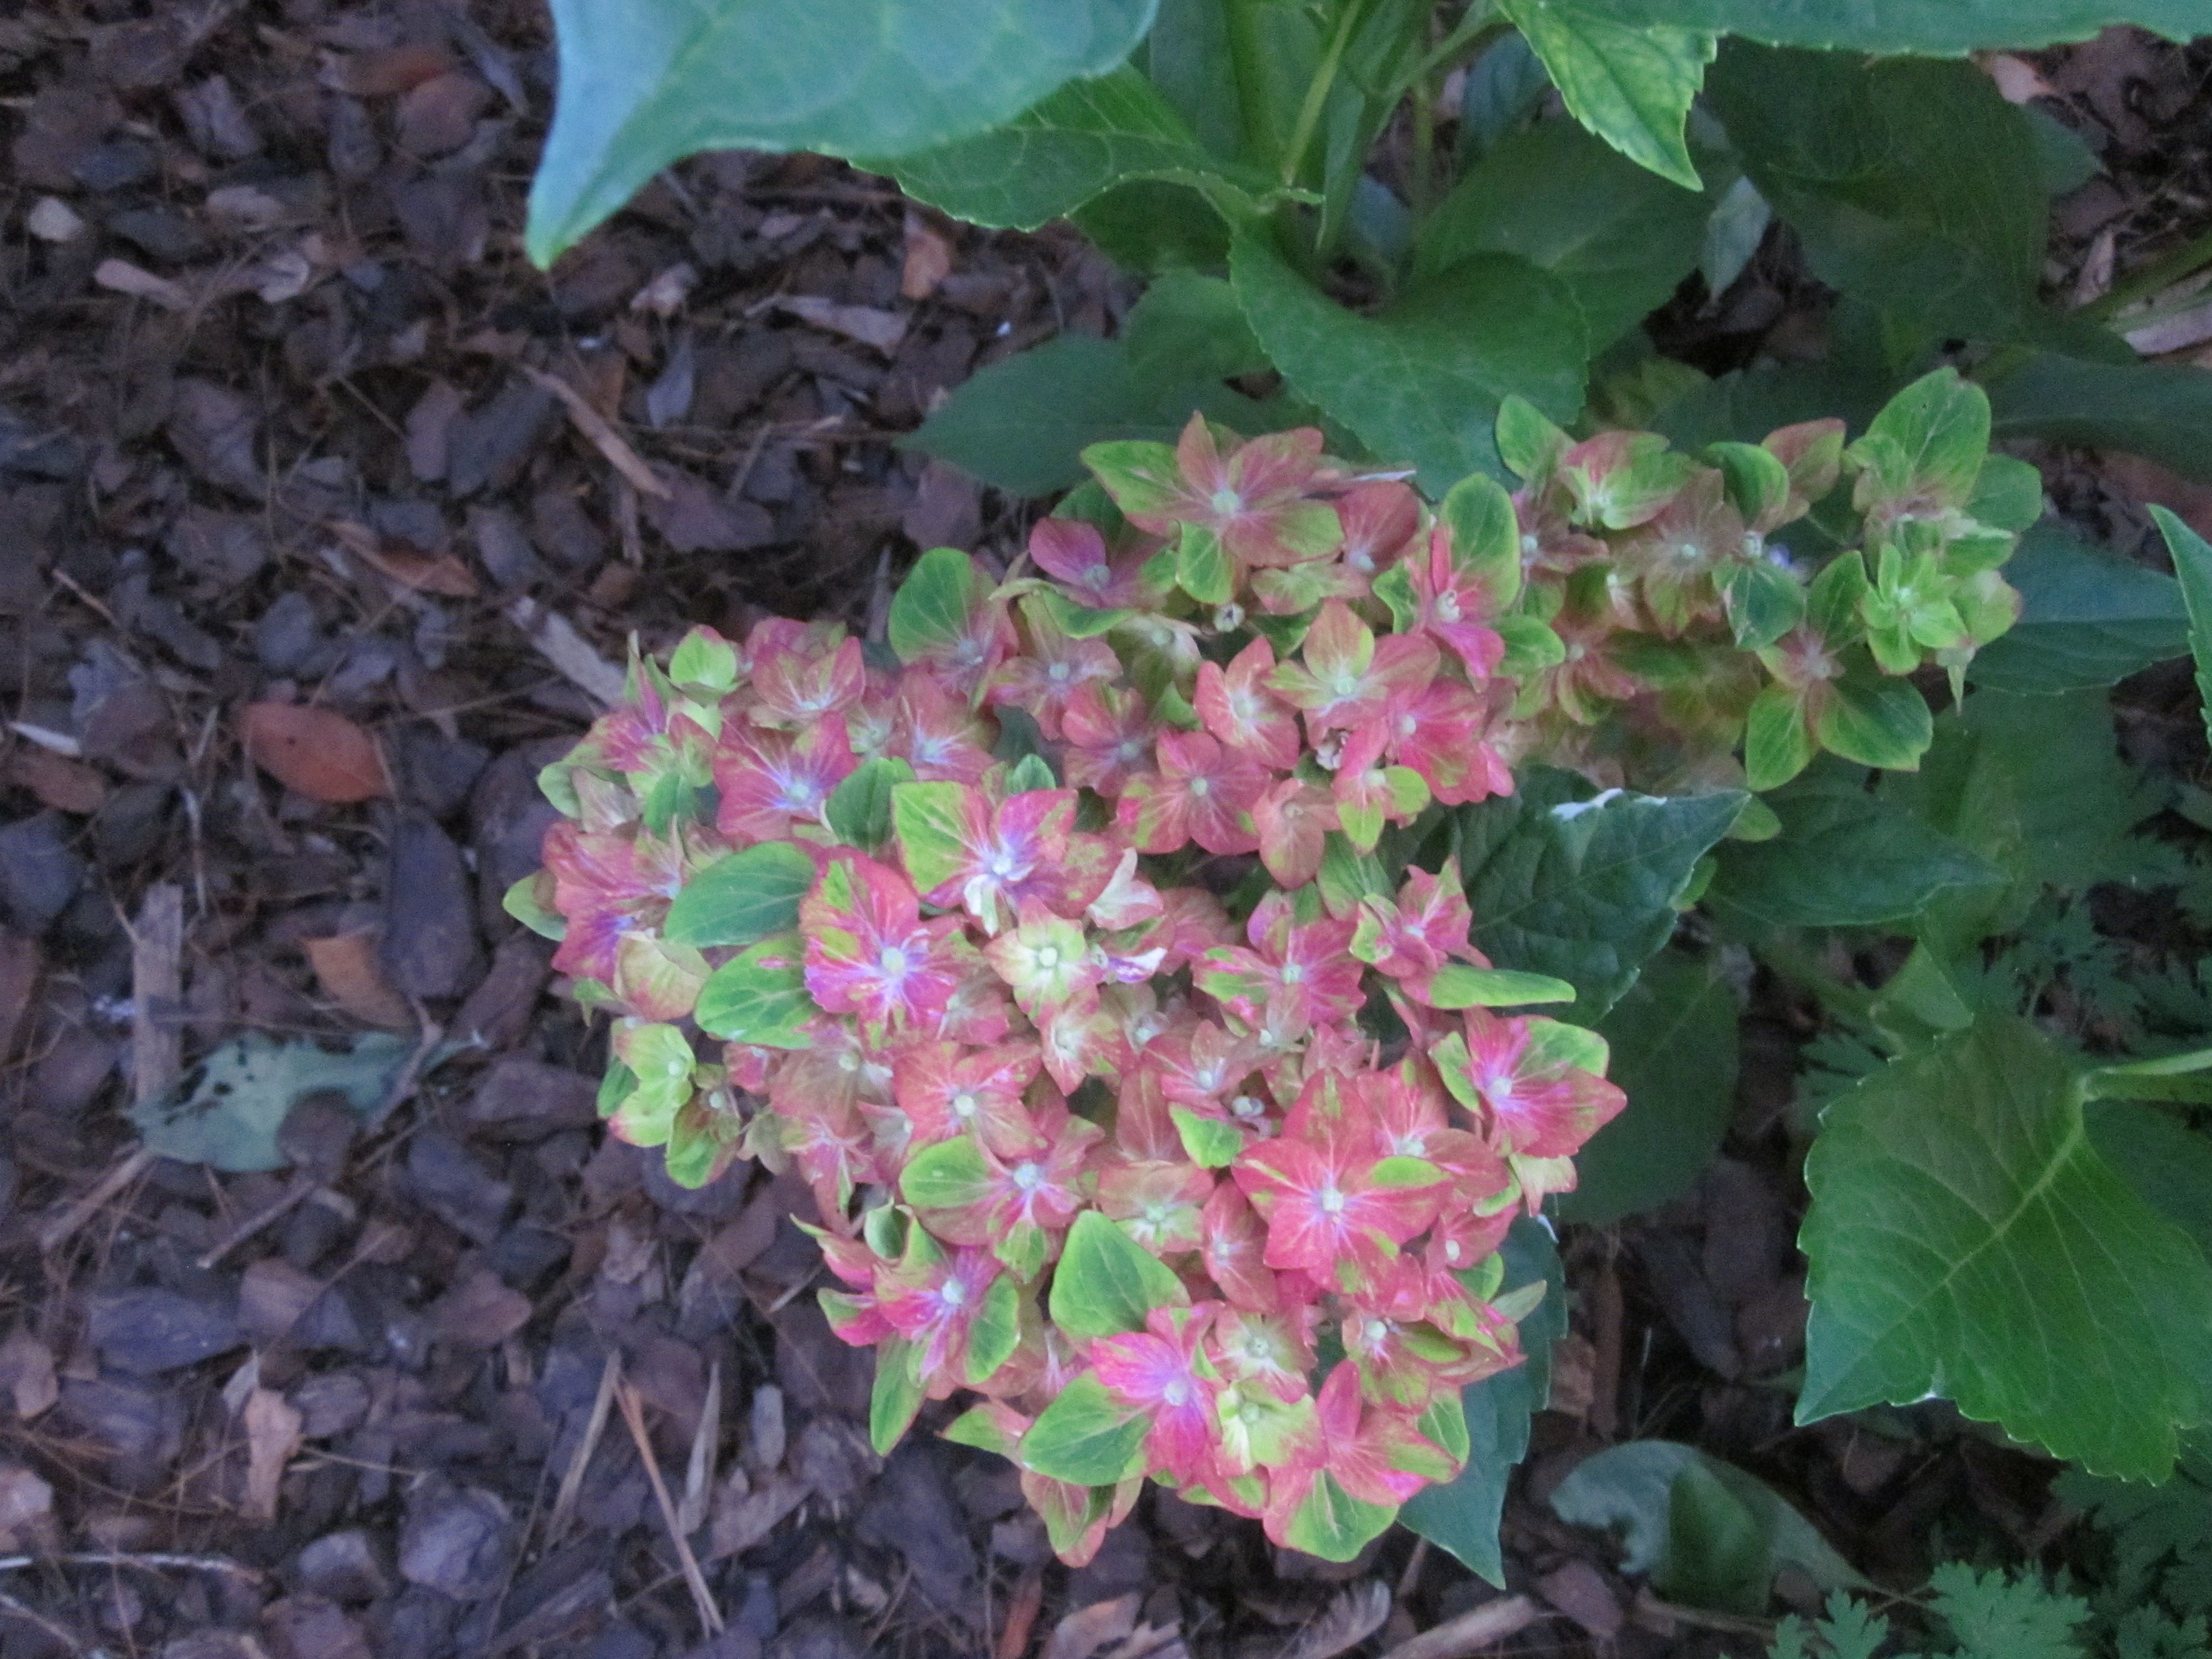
1106 1282
1632 85
1421 380
2160 411
1083 1438
1462 1515
1673 1040
1912 26
1844 859
2088 618
1620 237
2036 787
2193 563
737 899
759 996
1708 1533
1077 144
1023 423
1967 1239
1912 183
645 82
1581 885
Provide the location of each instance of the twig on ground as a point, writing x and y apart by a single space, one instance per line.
63 1225
157 986
572 1478
1472 1630
695 1581
560 644
599 432
32 1615
149 1563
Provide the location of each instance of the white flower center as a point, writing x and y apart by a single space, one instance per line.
1330 1200
1027 1176
1447 607
954 1293
1201 786
1098 576
1048 955
1226 501
892 962
1177 1393
963 1105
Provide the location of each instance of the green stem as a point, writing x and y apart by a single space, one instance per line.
1247 59
1420 175
1468 37
1317 91
2186 260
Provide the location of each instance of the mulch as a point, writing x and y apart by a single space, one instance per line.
287 420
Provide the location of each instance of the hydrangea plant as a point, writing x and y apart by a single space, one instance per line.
1071 944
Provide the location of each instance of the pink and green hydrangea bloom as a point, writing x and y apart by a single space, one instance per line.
1122 1163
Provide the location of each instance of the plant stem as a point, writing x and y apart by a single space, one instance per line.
2186 260
1317 91
1247 59
1421 176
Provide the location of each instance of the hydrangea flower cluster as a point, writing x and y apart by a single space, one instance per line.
1689 632
1071 949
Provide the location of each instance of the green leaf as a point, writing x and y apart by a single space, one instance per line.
933 604
1501 87
1844 859
949 1175
1912 26
929 820
1211 1143
645 82
2088 618
1582 885
1334 1525
1673 1037
2160 411
760 996
225 1109
525 900
1874 719
2169 1165
1188 327
1107 1282
859 811
752 893
996 1333
1660 1497
1084 1438
1458 985
1632 86
1738 225
897 1396
1461 1514
1912 183
1620 238
1937 429
2036 787
1966 1238
1421 380
1079 142
1022 423
2192 566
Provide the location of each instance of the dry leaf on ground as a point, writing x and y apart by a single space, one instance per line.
316 752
